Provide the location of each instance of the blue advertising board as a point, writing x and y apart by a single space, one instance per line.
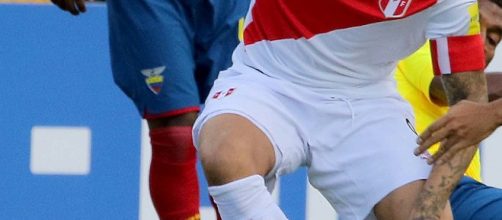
55 72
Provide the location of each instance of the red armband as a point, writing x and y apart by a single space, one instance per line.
457 54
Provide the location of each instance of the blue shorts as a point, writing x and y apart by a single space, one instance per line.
472 200
165 55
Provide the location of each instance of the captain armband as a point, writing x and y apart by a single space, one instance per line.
457 54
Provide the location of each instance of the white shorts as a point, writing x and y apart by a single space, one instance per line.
357 150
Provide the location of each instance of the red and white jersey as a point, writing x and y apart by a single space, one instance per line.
350 46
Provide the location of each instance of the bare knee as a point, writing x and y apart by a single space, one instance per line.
231 148
223 161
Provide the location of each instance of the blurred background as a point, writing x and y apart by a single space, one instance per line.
72 146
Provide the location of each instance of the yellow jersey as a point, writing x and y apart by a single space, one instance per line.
414 76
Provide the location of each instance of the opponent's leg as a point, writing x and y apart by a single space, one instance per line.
173 181
152 62
236 155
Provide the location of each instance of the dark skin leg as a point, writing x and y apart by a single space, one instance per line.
186 119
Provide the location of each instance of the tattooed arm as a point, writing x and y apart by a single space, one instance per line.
468 85
445 175
493 81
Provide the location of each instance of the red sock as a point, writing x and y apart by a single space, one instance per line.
174 187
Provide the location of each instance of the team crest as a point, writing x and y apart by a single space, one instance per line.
394 8
154 79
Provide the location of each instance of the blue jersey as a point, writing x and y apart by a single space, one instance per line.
166 54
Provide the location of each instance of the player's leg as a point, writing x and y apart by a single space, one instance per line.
152 62
474 200
239 135
370 172
217 36
173 178
236 155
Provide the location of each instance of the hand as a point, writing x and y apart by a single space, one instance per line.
465 125
75 7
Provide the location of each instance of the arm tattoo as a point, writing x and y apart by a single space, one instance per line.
444 177
469 85
434 196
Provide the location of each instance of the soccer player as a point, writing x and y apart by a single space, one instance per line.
312 85
416 82
165 57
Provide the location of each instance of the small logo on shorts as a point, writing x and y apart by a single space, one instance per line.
394 8
221 94
154 79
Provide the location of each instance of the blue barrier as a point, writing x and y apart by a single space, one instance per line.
55 71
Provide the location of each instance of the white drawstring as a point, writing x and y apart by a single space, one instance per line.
347 101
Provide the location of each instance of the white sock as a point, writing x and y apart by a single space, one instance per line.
246 198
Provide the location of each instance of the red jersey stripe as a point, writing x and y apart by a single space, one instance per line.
293 19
